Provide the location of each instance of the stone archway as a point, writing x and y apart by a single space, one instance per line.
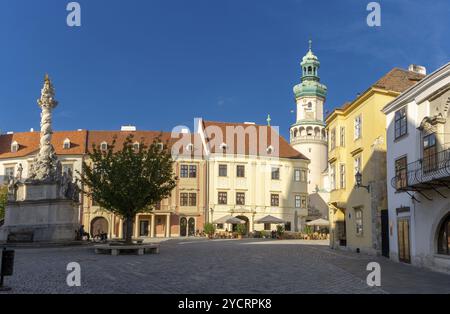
99 225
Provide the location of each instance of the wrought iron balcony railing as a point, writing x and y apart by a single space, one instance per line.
427 173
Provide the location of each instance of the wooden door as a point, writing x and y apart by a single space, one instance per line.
404 249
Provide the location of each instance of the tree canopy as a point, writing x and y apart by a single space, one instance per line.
129 180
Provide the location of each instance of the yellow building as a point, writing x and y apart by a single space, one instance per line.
357 145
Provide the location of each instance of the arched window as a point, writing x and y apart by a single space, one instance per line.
136 146
183 227
444 236
14 147
309 70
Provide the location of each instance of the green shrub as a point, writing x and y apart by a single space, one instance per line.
280 230
209 229
241 229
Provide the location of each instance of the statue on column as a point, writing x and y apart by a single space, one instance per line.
46 167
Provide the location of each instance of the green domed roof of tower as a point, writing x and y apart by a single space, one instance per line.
310 85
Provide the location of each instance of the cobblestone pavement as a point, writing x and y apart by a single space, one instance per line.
219 266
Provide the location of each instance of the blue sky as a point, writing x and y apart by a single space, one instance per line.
160 63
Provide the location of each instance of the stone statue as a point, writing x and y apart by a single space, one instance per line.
19 172
46 166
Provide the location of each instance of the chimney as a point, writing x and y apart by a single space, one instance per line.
417 69
128 128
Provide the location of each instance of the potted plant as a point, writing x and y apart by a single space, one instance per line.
280 231
241 230
209 230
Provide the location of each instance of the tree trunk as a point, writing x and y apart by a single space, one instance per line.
129 230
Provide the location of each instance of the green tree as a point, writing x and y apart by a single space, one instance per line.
129 181
3 200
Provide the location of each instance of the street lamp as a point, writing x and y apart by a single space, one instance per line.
358 180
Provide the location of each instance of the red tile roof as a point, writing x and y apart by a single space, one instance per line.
284 149
29 143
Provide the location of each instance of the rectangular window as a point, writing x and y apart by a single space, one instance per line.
287 226
342 137
429 153
192 199
219 226
333 176
359 221
358 127
240 198
297 176
342 176
222 198
66 167
274 200
184 199
9 172
240 171
192 171
222 170
333 139
400 123
298 201
275 173
267 227
401 173
184 171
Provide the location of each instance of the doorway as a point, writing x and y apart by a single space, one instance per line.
99 225
191 227
385 233
246 224
404 251
183 227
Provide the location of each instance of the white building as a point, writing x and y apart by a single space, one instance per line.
308 134
418 168
252 173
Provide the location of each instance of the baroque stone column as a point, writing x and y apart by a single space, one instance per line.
46 168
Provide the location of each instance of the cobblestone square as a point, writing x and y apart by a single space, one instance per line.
219 266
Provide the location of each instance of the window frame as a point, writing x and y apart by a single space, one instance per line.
359 222
401 171
274 200
240 171
400 122
222 198
297 175
223 170
240 198
184 199
275 173
357 127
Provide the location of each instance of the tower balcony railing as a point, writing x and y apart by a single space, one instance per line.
308 138
427 173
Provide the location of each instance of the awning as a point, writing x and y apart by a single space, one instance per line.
229 220
319 222
270 220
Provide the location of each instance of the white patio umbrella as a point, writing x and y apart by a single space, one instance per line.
319 223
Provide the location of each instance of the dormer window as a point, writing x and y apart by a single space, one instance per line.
14 147
269 150
136 146
66 144
190 147
161 146
104 146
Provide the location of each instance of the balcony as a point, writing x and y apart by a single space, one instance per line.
428 173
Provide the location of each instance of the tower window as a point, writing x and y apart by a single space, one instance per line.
309 70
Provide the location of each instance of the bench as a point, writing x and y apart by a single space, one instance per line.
115 250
